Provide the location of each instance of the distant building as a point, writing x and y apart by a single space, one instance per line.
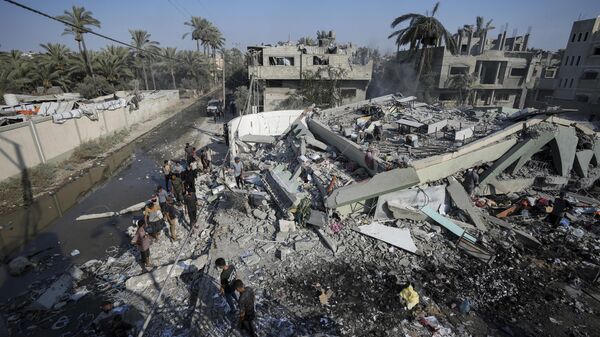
279 70
578 80
502 69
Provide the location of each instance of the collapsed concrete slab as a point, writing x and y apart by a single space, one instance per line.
283 190
582 162
400 211
433 196
53 294
563 149
382 183
495 187
155 278
261 139
463 202
522 236
398 237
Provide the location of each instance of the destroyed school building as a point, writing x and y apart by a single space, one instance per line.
277 71
502 68
489 247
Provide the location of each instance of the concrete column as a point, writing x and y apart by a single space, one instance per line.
497 72
36 139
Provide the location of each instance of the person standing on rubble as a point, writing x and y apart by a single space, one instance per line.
226 134
238 172
560 206
167 172
162 195
142 241
247 311
370 159
189 179
153 217
172 219
177 187
471 180
208 158
191 206
228 276
188 153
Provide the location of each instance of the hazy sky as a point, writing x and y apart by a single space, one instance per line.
245 22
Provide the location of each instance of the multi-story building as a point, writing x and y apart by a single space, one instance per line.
280 70
578 80
502 70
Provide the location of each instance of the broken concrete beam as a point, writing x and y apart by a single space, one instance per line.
437 126
582 162
397 237
284 191
329 242
463 202
522 150
53 294
447 223
345 146
556 180
583 199
400 211
495 187
134 208
311 141
522 236
96 216
563 149
259 214
381 183
434 196
261 139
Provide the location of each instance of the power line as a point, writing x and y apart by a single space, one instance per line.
85 30
178 9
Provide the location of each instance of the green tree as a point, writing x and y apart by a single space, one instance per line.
236 71
481 31
422 33
170 54
319 87
114 63
141 40
214 39
463 84
199 27
16 72
81 20
241 98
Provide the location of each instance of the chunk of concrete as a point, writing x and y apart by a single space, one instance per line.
463 202
304 245
329 242
437 126
259 214
447 223
495 187
53 294
526 238
286 225
400 211
154 279
582 162
465 133
398 237
262 139
18 265
563 149
434 196
317 218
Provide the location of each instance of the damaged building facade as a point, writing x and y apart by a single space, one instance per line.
280 70
502 69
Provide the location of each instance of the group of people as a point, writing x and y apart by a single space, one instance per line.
239 298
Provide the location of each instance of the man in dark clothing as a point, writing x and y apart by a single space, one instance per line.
191 206
228 275
188 153
189 179
246 302
177 185
559 207
226 134
103 321
162 195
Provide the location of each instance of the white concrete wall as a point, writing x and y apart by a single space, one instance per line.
270 123
26 145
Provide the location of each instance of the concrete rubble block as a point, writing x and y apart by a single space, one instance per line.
283 253
317 218
463 202
495 187
596 149
556 180
465 133
262 139
526 238
582 162
400 211
154 279
53 294
522 150
282 236
19 265
398 237
250 260
447 223
257 198
382 183
329 241
259 214
76 273
563 149
304 245
413 198
283 190
286 225
437 126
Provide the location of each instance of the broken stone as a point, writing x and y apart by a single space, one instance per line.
304 245
286 226
54 293
19 265
259 214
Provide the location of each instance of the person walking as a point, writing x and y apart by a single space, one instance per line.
189 181
238 172
167 172
191 206
172 218
177 187
208 158
226 134
188 153
228 276
142 241
247 311
153 217
162 195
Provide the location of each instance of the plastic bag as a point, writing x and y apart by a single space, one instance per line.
410 296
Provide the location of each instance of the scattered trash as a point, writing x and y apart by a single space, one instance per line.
75 252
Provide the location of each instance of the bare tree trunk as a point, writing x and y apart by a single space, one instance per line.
86 59
420 67
145 75
197 45
173 78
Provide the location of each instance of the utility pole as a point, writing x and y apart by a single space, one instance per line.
223 68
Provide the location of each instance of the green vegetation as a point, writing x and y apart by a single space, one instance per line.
97 73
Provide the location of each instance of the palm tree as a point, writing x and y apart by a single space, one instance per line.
199 26
141 40
423 32
46 76
57 55
81 20
463 84
114 64
18 72
170 54
481 31
214 39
